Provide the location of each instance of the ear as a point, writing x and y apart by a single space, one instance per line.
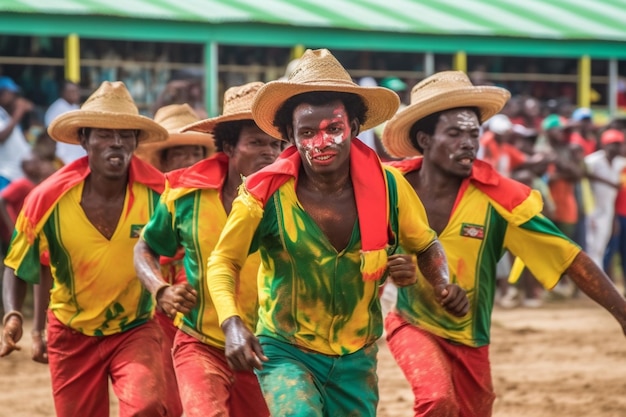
83 140
228 149
423 140
355 127
290 136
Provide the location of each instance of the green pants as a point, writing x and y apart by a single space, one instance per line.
305 384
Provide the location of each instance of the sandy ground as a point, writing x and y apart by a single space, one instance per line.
567 358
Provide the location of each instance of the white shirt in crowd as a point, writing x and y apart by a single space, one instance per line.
13 150
65 151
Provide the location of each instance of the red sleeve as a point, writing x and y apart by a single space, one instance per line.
16 191
516 156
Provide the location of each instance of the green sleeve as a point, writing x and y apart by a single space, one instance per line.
160 233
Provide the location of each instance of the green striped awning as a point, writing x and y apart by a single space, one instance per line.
538 19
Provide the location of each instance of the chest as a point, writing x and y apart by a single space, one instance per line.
335 216
103 214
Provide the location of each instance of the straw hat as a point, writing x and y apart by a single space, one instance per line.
319 70
173 118
441 91
237 106
109 107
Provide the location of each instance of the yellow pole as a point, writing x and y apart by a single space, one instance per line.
297 51
460 61
584 81
72 58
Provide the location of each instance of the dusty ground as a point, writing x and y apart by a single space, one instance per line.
567 358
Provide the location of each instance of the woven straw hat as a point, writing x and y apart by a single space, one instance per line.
319 70
109 107
441 91
237 106
173 118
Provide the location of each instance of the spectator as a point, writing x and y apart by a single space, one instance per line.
70 97
13 144
583 131
604 168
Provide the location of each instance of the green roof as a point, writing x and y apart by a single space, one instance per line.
553 19
540 28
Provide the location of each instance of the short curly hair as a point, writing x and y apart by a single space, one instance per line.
228 133
354 104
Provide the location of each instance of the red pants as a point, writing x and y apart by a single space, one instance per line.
447 379
80 367
169 332
208 387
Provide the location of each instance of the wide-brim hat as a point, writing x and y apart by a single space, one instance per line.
173 118
237 106
441 91
109 107
319 70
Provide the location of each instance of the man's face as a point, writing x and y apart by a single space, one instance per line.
7 99
183 156
254 150
453 146
110 151
71 93
322 134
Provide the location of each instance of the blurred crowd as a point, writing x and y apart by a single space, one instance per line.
577 164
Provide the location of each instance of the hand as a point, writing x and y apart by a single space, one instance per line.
176 298
22 106
11 334
453 298
39 348
402 270
243 350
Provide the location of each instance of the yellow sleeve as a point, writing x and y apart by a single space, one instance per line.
230 254
542 247
415 233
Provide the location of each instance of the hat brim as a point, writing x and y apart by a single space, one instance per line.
395 137
181 139
381 103
208 125
65 128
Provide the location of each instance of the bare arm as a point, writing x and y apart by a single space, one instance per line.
13 293
172 299
434 266
22 106
594 282
4 215
39 351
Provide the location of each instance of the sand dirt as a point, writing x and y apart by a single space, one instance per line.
567 358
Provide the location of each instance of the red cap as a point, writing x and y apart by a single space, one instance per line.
612 136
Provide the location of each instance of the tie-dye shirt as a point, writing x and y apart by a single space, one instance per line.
194 220
480 227
311 295
95 287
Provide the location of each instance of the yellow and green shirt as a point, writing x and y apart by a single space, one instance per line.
491 214
193 218
310 295
95 289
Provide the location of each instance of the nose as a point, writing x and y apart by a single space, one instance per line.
469 142
269 149
117 138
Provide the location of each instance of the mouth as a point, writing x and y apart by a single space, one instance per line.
323 158
115 160
465 160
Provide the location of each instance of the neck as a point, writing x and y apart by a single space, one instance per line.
106 188
436 181
327 184
231 183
